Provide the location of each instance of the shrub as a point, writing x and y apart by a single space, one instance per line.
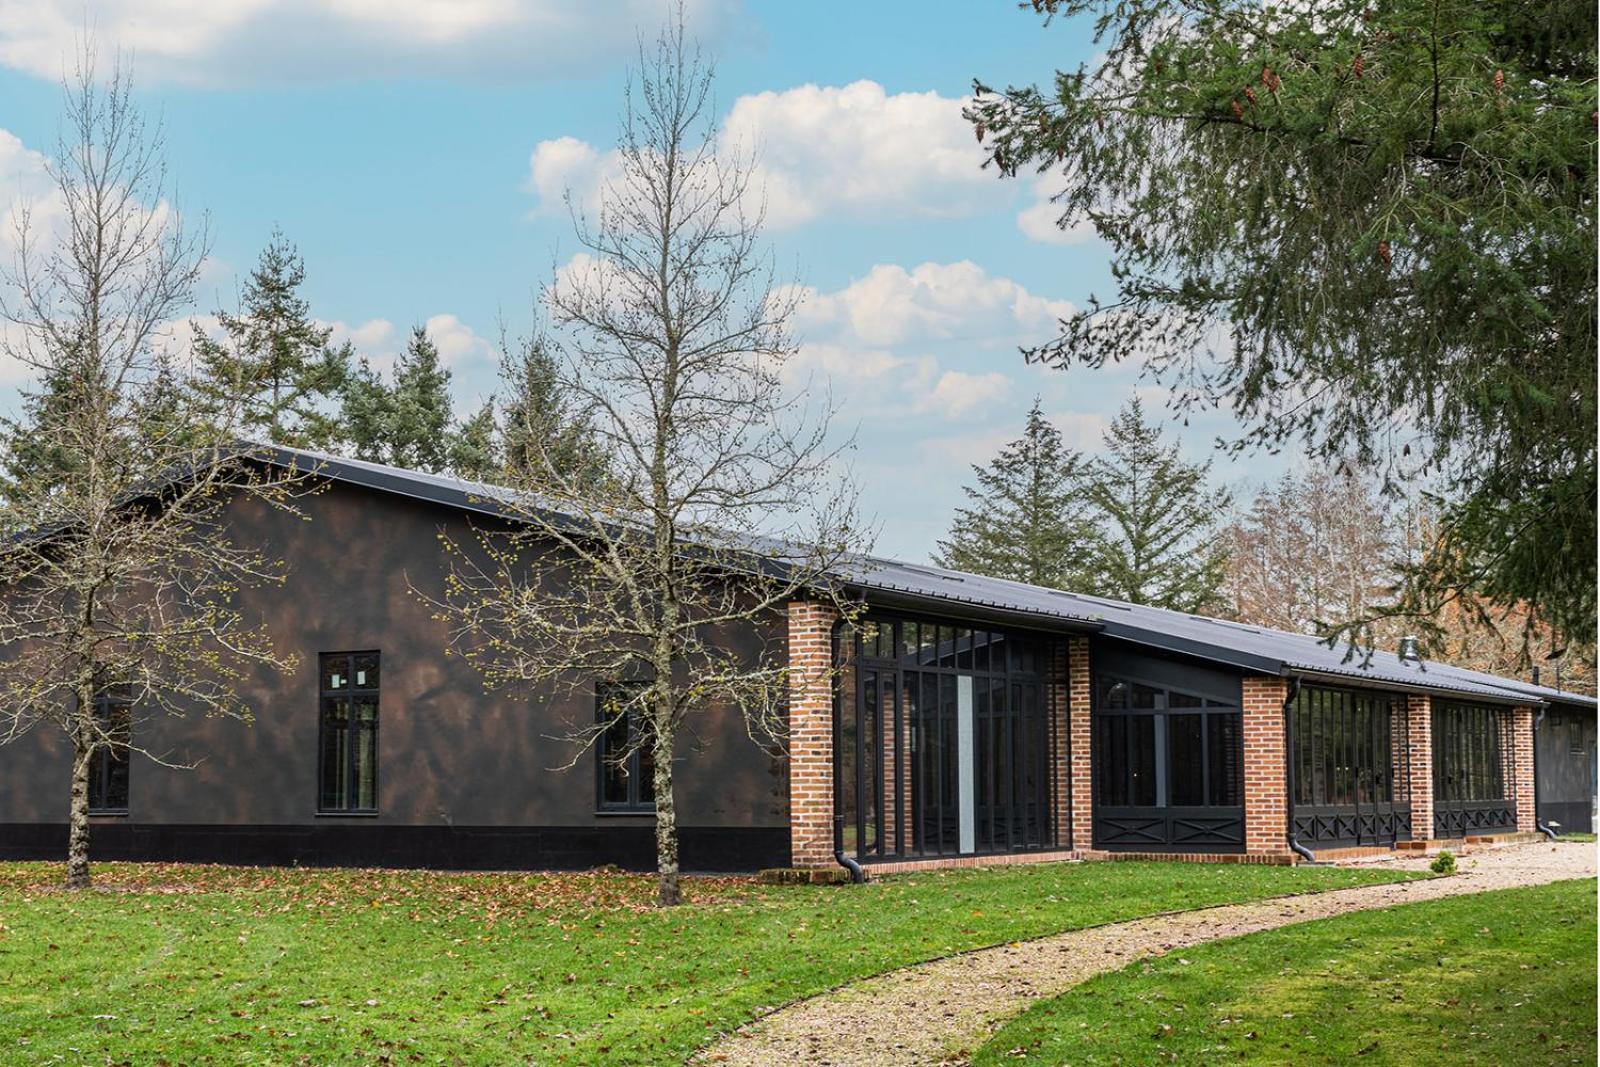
1443 863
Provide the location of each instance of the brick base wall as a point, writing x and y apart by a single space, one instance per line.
1266 794
1080 743
811 734
1522 781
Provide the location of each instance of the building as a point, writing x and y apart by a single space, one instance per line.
962 719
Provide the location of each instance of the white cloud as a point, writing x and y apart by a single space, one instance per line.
921 341
855 151
1041 221
380 341
234 42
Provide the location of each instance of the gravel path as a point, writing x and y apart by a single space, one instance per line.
939 1012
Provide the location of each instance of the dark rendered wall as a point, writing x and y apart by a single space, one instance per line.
1567 769
466 779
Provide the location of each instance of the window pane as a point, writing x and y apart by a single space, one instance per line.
909 640
1185 761
367 768
1142 760
364 672
367 709
335 768
335 672
963 649
1183 700
1225 757
644 776
335 711
980 651
613 775
1145 697
116 790
1117 695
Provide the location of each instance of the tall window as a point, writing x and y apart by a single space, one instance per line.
108 769
627 768
348 761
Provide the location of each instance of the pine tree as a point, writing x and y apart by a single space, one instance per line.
1157 514
419 430
365 411
475 446
274 356
1026 519
541 424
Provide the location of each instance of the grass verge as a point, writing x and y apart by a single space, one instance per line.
1494 978
241 966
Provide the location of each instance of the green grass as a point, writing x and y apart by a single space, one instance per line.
1496 978
1576 837
229 965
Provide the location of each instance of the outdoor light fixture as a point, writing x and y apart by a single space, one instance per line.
1408 649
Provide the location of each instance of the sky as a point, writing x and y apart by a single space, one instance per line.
417 152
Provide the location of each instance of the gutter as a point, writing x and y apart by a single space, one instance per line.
857 875
1288 773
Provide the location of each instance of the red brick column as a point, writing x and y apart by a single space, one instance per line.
1523 786
1080 742
1419 764
811 734
1266 784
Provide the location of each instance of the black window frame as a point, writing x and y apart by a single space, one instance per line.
640 777
105 758
352 729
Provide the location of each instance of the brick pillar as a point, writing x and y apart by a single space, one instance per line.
1419 764
1524 788
811 734
1080 742
1266 784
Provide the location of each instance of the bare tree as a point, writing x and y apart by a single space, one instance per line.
723 498
117 576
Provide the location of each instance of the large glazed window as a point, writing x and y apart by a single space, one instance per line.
347 765
1168 766
1472 784
945 740
1349 765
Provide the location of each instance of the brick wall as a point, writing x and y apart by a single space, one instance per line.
1522 783
1080 743
1266 800
1419 764
811 734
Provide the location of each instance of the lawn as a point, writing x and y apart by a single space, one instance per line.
235 965
1504 977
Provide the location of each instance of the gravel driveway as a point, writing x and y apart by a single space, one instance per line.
939 1012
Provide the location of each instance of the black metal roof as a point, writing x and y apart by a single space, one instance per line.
922 586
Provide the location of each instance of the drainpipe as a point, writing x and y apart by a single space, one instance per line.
857 875
1537 824
1288 772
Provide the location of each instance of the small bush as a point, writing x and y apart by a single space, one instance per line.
1443 863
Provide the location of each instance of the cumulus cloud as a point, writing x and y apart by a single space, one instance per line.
380 341
234 42
921 341
1041 220
855 151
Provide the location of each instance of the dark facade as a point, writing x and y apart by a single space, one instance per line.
461 778
1567 769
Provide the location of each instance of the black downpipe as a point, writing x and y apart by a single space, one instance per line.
857 875
1289 772
1538 824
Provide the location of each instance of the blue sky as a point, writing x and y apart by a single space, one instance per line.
411 149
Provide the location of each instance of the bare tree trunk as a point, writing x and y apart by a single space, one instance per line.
667 890
78 818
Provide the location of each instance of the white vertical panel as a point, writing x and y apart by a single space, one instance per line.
964 764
